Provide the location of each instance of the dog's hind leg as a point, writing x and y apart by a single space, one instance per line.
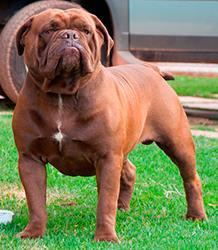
179 146
127 182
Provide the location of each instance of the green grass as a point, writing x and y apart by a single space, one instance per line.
195 86
155 221
204 128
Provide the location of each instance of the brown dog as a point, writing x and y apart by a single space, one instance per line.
84 118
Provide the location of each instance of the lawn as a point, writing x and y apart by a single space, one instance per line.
195 86
155 221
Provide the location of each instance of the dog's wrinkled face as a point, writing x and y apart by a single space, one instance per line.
62 43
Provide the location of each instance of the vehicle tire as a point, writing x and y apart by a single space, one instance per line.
13 71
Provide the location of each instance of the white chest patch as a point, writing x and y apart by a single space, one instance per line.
59 136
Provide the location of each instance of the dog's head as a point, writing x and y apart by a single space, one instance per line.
62 44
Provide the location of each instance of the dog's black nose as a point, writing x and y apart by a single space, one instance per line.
70 35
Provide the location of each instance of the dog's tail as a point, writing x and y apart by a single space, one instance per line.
166 75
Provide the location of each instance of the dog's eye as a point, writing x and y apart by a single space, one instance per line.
49 31
86 31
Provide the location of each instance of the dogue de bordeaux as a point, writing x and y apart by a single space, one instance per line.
84 118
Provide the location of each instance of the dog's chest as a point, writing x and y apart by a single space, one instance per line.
64 142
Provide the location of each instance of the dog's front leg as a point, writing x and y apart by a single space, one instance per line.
108 172
33 177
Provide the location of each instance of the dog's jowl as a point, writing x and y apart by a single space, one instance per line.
84 119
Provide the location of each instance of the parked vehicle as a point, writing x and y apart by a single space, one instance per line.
160 30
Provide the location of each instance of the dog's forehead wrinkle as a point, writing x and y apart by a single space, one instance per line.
63 19
54 23
49 18
81 20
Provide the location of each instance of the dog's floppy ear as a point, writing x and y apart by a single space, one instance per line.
24 29
102 29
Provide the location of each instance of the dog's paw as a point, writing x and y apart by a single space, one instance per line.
123 206
30 234
106 237
196 217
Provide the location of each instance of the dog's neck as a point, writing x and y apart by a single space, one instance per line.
85 94
63 84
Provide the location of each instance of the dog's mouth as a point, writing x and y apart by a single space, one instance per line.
69 62
62 59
